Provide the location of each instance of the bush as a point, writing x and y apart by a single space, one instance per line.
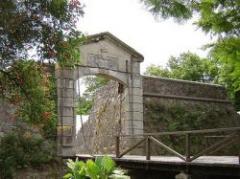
22 148
102 168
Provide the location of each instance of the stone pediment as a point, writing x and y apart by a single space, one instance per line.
106 51
106 36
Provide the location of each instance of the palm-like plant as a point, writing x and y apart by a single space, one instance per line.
102 168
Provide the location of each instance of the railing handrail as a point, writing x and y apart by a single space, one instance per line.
199 131
148 137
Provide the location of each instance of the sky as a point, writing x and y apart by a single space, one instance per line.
155 39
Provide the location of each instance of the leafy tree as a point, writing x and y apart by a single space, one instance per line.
154 70
187 66
227 51
219 17
47 26
30 88
32 33
47 30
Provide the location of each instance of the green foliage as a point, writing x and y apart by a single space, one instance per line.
27 86
215 16
68 53
170 116
173 8
41 25
85 102
154 70
102 168
45 30
187 66
93 83
223 67
227 52
219 16
84 106
22 148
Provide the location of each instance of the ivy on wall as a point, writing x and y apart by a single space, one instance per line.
172 115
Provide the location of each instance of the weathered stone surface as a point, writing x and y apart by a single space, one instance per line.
65 83
105 122
65 130
65 92
64 73
166 86
136 68
67 120
158 113
104 54
66 102
175 114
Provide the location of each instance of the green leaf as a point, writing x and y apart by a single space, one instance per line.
68 176
108 164
92 170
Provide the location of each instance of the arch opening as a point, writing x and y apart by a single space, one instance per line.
100 113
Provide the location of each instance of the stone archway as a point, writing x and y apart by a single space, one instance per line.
106 55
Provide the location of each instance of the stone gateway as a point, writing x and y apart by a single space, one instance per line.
101 54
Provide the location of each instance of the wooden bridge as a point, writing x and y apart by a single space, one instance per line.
201 162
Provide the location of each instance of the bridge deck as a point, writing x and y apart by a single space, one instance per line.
207 160
223 165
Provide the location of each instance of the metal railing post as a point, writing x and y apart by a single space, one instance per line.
148 148
117 149
187 147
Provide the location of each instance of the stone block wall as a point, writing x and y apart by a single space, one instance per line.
182 88
168 105
177 105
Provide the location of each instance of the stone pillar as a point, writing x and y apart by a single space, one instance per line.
136 99
66 116
134 122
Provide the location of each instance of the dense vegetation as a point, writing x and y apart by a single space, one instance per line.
33 36
170 115
22 148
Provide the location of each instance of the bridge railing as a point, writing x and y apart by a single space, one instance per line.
232 136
